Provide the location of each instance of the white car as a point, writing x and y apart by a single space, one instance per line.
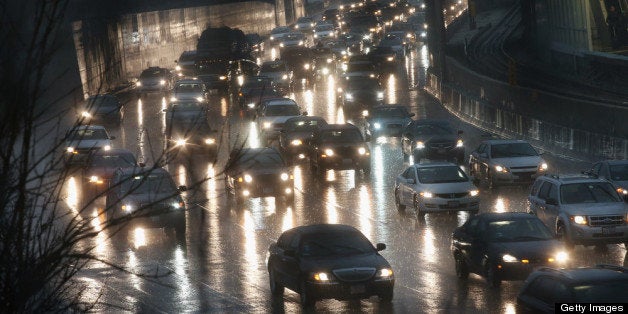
189 90
503 162
271 116
293 39
82 140
324 31
436 187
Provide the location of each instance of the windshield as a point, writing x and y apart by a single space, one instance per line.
614 291
512 150
294 36
188 87
280 30
598 192
619 172
371 85
341 136
431 129
151 73
389 113
358 67
186 106
113 161
335 243
88 134
303 125
324 28
260 160
390 41
148 183
444 174
522 229
283 110
102 103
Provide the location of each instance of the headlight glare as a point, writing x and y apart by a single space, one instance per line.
329 152
474 192
562 257
500 168
296 142
267 125
377 126
420 145
322 277
86 114
70 149
180 142
384 273
361 150
162 82
284 176
459 143
248 178
581 220
426 194
543 166
509 258
199 98
107 147
210 141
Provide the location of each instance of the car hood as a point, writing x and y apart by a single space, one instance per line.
401 121
526 161
452 187
436 138
89 143
187 95
595 209
275 119
146 199
102 172
299 135
527 249
312 264
274 75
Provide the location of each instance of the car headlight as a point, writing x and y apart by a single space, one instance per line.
543 166
300 42
177 68
509 258
474 192
329 60
162 82
296 26
580 220
348 96
426 194
325 71
180 142
210 141
408 35
199 98
222 77
70 149
177 205
365 113
248 178
306 66
267 125
280 44
284 176
500 168
322 277
329 152
362 151
86 114
315 35
380 95
107 147
272 37
420 145
459 143
622 191
390 58
95 179
284 77
173 98
377 126
296 142
128 208
560 257
138 83
384 273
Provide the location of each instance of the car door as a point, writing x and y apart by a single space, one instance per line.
291 264
278 262
403 185
477 249
411 187
464 238
533 197
552 206
475 159
541 203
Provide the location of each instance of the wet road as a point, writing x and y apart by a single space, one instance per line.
221 266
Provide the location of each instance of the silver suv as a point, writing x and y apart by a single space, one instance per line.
580 209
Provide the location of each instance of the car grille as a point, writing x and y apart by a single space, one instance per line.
524 167
442 145
603 221
354 274
451 195
346 151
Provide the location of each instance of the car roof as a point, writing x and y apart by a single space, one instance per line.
87 127
430 164
280 101
602 273
322 228
189 81
306 118
616 162
572 178
506 215
504 141
143 171
113 151
389 106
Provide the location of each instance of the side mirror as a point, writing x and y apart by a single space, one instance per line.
141 164
380 246
112 137
460 132
183 188
551 201
290 253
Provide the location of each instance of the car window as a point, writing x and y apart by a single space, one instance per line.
341 136
335 243
619 172
553 192
156 183
188 87
471 227
431 129
536 187
392 112
590 192
512 150
442 174
523 229
303 125
596 168
282 110
544 192
409 173
87 134
482 148
114 161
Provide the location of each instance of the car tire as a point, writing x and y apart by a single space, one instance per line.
386 297
492 278
275 288
400 207
561 232
307 298
462 269
417 207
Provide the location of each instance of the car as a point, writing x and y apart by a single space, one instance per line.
215 84
354 42
432 139
324 31
615 171
359 65
246 92
240 71
395 43
506 162
338 47
188 130
189 90
580 209
186 65
340 147
278 33
279 72
154 79
295 136
324 61
258 172
504 246
384 59
256 43
304 24
293 39
148 197
83 140
332 16
407 38
101 166
271 116
252 99
300 60
102 108
329 261
547 287
359 95
387 120
436 187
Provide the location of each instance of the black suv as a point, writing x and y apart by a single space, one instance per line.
300 60
546 287
294 138
341 147
432 139
187 129
258 172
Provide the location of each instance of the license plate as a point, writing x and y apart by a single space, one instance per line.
608 230
441 150
347 161
453 204
268 190
356 289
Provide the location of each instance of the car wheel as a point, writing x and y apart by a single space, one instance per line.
400 207
386 297
307 298
492 278
561 231
275 288
417 207
462 269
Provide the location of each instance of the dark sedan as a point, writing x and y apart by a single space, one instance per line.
387 120
340 147
432 139
329 261
101 166
102 108
294 138
504 246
